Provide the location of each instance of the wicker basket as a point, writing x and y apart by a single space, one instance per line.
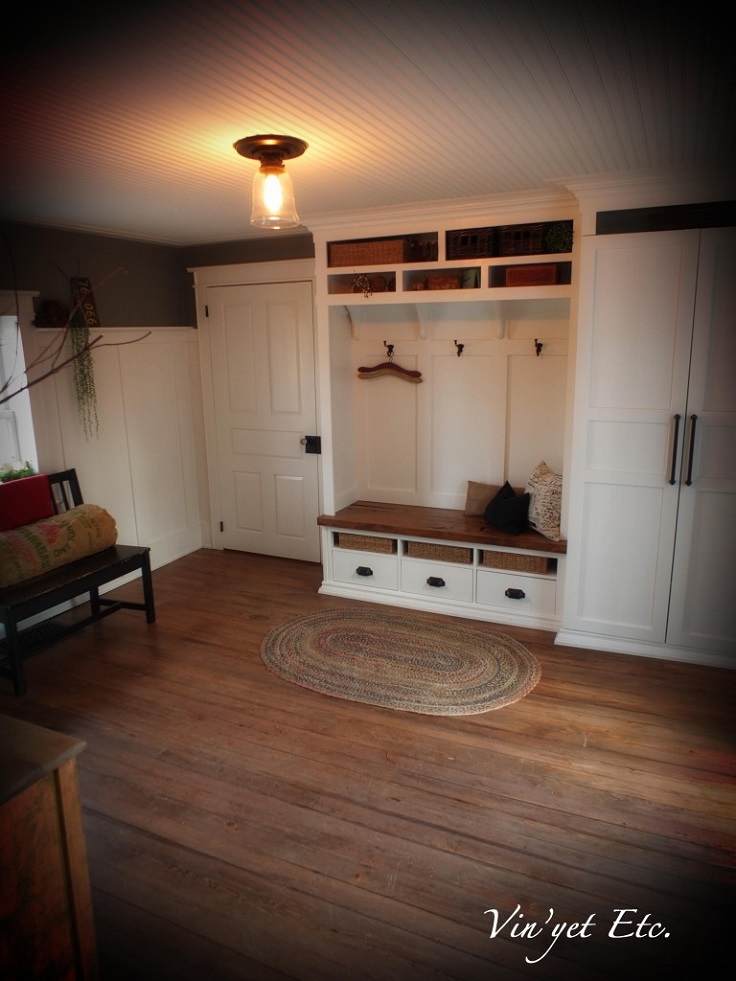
521 239
378 250
542 275
439 553
470 243
443 281
513 562
365 543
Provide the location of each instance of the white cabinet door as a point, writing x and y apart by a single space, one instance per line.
635 329
703 604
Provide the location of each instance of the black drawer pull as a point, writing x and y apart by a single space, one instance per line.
364 570
515 593
435 581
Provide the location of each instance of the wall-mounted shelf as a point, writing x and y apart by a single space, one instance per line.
518 261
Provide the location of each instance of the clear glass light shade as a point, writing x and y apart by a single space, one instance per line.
273 198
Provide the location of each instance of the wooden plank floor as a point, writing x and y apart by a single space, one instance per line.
239 827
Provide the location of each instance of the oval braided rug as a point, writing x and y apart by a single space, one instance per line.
402 661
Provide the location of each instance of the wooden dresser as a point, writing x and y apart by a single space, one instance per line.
45 902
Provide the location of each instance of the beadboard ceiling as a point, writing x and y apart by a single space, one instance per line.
121 118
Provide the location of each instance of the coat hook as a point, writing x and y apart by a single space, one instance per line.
538 345
389 350
460 348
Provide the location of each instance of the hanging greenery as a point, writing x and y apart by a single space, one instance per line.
84 315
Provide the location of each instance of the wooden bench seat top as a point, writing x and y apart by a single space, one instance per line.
441 523
68 581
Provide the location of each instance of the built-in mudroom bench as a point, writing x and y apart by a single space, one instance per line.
443 342
441 560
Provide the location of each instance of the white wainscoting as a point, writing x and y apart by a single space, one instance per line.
147 465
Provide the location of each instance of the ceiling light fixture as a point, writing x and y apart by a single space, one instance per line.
273 194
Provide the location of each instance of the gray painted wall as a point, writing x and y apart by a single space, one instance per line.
135 284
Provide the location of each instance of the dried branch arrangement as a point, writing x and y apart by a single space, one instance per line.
71 346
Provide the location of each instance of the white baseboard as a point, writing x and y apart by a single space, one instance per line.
468 611
666 652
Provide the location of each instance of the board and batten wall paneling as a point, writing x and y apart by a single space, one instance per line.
147 465
464 403
388 424
489 415
535 412
339 427
174 523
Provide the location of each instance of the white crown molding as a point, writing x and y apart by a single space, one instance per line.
647 189
422 216
241 273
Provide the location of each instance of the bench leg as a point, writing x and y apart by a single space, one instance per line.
12 643
147 583
94 601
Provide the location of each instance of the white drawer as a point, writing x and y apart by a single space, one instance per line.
441 580
538 595
365 568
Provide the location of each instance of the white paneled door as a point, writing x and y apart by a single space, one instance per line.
263 384
636 318
653 503
702 610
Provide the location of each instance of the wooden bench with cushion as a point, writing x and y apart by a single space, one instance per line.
39 594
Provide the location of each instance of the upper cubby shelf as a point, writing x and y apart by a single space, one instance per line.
530 259
379 251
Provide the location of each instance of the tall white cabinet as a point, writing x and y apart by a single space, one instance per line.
652 516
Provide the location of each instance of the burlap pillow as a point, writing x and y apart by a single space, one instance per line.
478 497
34 549
545 501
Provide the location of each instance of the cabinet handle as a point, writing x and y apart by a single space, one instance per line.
515 593
364 570
435 581
673 472
691 453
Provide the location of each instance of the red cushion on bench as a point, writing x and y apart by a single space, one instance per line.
24 501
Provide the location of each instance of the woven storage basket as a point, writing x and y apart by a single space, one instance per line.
366 543
443 281
542 275
371 251
439 553
470 243
521 239
514 562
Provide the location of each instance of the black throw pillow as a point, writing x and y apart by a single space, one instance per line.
509 512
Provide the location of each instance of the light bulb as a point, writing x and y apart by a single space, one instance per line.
273 198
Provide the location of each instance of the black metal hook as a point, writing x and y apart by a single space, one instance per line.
460 348
390 350
538 346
